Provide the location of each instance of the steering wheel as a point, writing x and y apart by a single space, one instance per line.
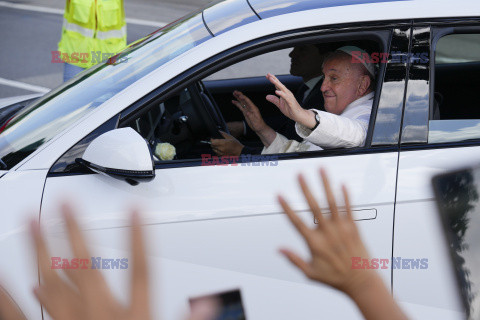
208 111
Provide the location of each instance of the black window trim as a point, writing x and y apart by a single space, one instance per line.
396 70
265 159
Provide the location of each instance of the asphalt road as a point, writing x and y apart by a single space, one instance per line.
30 31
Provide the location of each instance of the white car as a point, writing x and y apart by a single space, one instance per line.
217 228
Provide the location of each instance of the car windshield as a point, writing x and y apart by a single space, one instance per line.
43 120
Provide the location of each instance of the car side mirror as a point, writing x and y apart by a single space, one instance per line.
122 154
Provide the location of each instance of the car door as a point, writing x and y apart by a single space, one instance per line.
440 132
217 228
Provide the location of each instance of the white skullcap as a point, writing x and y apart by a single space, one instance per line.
368 65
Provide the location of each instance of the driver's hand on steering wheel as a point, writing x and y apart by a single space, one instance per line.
229 146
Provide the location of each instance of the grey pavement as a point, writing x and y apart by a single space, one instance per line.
153 10
28 38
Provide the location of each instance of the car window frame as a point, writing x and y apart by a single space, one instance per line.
267 44
381 31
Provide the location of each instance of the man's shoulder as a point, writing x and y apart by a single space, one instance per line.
364 103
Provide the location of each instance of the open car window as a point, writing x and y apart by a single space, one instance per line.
181 127
179 124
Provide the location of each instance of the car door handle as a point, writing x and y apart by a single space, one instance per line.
358 215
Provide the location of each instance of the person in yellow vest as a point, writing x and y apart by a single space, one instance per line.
93 31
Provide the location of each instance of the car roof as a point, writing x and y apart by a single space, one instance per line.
270 8
224 15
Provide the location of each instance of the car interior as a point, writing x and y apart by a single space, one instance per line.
457 70
188 119
456 86
456 83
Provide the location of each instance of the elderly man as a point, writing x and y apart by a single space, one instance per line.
306 62
348 95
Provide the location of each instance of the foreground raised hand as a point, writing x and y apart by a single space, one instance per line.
333 243
88 296
9 310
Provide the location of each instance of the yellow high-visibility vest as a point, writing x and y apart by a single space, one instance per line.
92 31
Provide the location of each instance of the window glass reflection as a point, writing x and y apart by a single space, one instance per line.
453 130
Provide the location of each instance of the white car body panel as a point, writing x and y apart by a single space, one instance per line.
416 218
231 228
18 267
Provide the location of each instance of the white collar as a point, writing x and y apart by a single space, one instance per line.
359 101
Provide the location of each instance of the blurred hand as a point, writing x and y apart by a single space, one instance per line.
332 243
288 105
250 112
88 296
229 146
9 310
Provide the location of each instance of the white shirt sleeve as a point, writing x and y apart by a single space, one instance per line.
282 145
336 131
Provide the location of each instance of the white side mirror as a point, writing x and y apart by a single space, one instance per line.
122 154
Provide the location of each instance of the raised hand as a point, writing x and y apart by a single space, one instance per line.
9 310
250 111
254 118
288 105
87 296
332 243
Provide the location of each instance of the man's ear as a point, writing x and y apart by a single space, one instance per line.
364 85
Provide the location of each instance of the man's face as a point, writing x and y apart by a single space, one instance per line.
306 62
341 85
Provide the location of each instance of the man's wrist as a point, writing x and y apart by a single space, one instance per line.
307 119
262 129
317 121
267 136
